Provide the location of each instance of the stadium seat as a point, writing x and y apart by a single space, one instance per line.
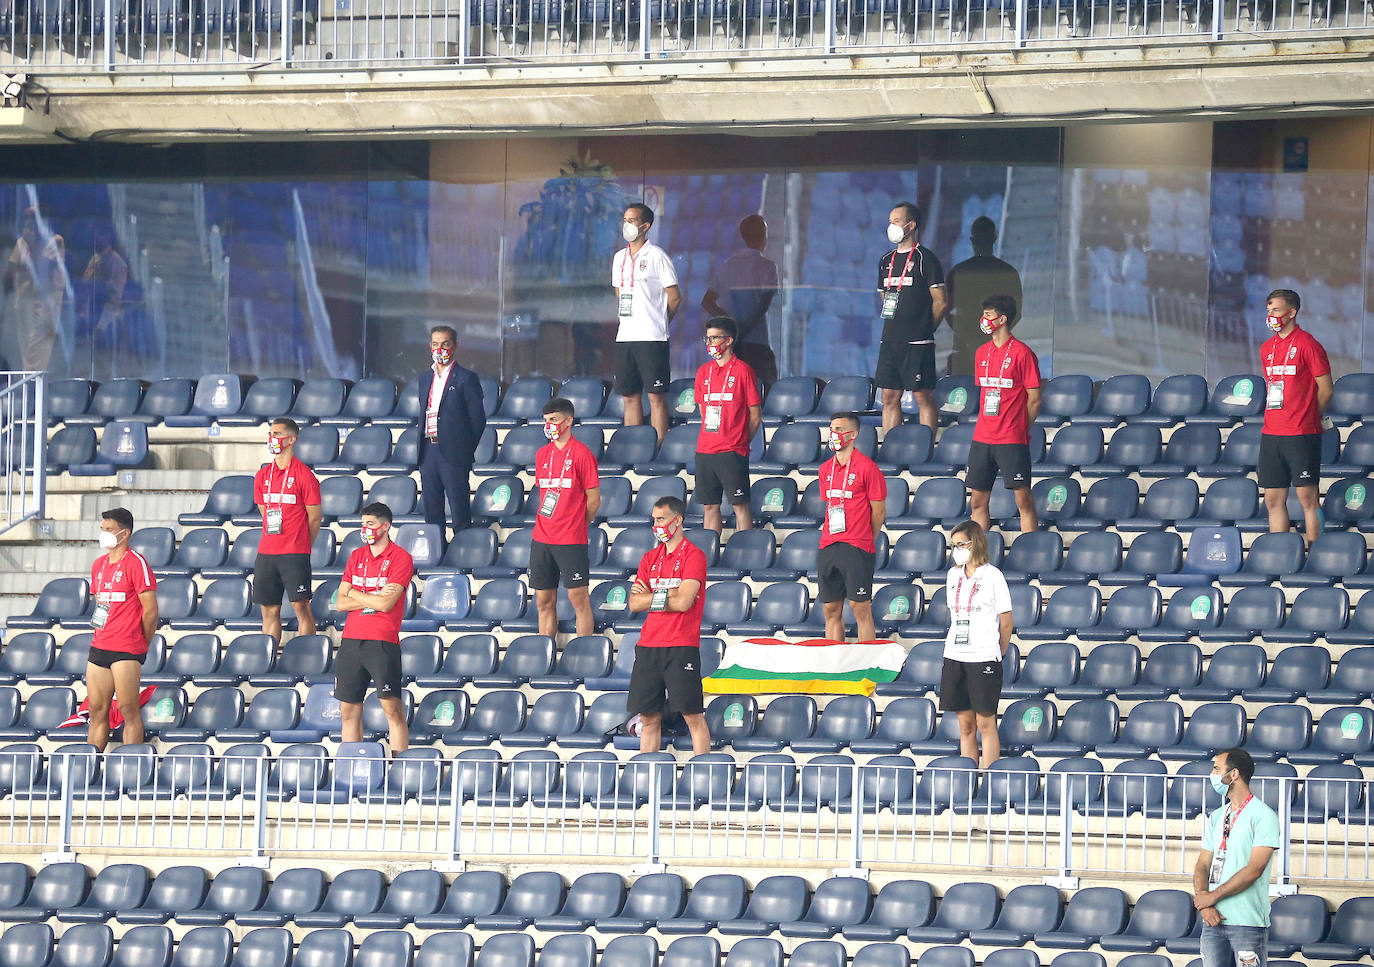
56 886
318 447
1065 397
1028 909
1334 557
271 710
120 886
234 774
115 399
963 908
745 552
714 898
229 497
1314 613
1232 668
652 897
1357 453
524 658
405 455
1233 400
247 656
385 948
411 894
265 400
531 896
524 402
1211 728
498 601
727 603
1351 935
324 948
1231 501
71 446
950 455
44 710
1175 399
1073 447
27 653
302 767
818 953
1192 610
778 606
1212 552
70 664
904 446
591 897
1048 667
1092 914
26 945
552 715
365 449
444 948
1129 611
1278 731
1150 727
1166 503
1150 555
1086 721
68 398
475 893
156 544
1294 921
630 448
175 888
1031 555
234 890
916 553
920 673
935 502
62 599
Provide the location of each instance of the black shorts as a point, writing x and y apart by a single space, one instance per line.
675 671
641 367
106 658
1289 461
363 660
975 685
721 476
845 573
275 574
905 367
551 563
986 459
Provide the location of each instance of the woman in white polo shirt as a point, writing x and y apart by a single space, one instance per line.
980 629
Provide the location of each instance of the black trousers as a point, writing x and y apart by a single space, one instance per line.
440 479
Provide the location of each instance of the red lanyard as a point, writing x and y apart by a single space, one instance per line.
101 580
834 466
629 257
1001 366
567 463
725 385
662 559
973 593
893 264
1229 819
285 475
367 553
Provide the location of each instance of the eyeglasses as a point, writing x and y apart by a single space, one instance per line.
962 544
711 340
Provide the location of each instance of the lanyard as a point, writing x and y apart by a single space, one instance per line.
1001 366
1229 819
567 464
629 257
381 572
663 558
109 586
893 264
727 369
835 466
285 475
973 593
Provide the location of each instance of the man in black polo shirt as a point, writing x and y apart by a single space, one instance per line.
911 284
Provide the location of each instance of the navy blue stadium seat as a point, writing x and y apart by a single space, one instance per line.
956 398
921 671
779 605
1211 728
216 395
67 399
115 399
366 448
156 544
1296 671
1232 669
936 501
1333 557
630 448
792 446
1033 554
56 886
475 893
1314 613
120 886
1029 909
963 908
324 948
950 455
745 552
71 446
1119 398
591 897
370 399
1270 557
229 497
1167 502
1357 453
1092 914
318 446
1150 727
1352 398
293 891
1231 501
498 601
819 953
652 897
531 896
1279 730
524 658
905 446
790 398
1048 666
774 900
1190 612
1130 449
1064 397
265 400
899 905
1347 503
27 653
1128 611
1351 934
123 445
714 898
524 402
1074 446
44 709
234 890
1233 400
25 945
1175 399
1113 500
175 888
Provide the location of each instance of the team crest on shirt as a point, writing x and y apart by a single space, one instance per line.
1006 362
643 263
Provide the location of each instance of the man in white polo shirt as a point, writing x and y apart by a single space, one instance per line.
647 298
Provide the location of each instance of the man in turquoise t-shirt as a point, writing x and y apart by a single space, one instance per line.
1231 879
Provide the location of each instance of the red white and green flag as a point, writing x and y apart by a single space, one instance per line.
815 666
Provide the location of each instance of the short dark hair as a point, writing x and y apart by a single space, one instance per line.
753 228
120 516
446 330
725 324
1004 304
673 504
849 415
1287 295
1241 761
286 423
983 229
378 510
646 214
912 211
560 406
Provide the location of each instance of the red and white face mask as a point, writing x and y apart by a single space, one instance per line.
275 445
663 533
1276 323
839 439
443 355
551 430
991 325
370 534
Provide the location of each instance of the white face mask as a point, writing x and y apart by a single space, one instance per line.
629 232
960 555
550 430
1276 323
895 234
108 541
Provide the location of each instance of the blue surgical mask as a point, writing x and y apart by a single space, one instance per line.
1219 786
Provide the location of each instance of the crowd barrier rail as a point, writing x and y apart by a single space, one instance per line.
23 446
649 814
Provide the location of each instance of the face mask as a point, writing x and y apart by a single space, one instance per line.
837 440
443 355
714 351
550 430
108 541
370 534
895 234
664 533
274 445
960 555
989 326
1219 786
629 232
1276 323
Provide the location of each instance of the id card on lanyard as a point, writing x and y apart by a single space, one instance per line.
548 501
1219 856
713 413
102 607
961 625
890 297
1273 393
658 601
834 515
627 294
272 516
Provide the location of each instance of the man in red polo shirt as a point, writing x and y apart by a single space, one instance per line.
1008 376
373 593
288 497
125 594
855 495
671 587
1298 388
727 394
569 496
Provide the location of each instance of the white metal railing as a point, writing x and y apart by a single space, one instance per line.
180 35
843 815
23 442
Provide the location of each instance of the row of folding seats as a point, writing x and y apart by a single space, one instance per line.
903 912
229 398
